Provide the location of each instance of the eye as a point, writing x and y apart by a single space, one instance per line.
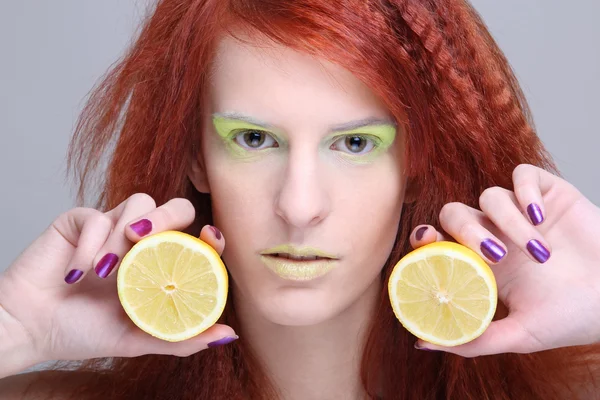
254 140
354 144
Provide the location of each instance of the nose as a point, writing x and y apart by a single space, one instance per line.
303 200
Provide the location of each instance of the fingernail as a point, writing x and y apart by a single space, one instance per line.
142 227
492 250
106 265
216 232
73 276
420 232
224 341
422 348
535 213
538 251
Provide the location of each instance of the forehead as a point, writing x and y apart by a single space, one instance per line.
281 85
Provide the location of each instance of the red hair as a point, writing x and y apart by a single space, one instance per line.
441 75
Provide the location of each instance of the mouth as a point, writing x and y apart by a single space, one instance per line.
294 257
298 264
294 253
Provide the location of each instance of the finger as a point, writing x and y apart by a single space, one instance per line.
529 184
85 230
532 183
425 234
503 336
116 212
465 225
137 342
501 207
94 233
176 214
213 236
117 244
70 224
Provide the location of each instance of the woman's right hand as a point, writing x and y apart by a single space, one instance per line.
59 299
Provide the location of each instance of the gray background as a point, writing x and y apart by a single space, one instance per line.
52 53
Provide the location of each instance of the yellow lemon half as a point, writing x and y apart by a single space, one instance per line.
443 293
172 285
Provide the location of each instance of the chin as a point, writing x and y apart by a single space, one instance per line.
298 309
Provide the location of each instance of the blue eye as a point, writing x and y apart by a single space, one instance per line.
354 144
254 140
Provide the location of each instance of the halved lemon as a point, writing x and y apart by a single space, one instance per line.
443 293
172 285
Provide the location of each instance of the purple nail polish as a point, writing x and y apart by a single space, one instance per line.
535 214
420 232
106 265
73 276
224 341
492 250
538 251
423 348
142 227
217 232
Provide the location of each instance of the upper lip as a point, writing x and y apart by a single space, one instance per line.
305 251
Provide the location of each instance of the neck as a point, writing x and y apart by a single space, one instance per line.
313 362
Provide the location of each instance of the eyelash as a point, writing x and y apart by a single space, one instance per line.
372 141
238 134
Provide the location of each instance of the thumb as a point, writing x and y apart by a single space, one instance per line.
137 342
503 336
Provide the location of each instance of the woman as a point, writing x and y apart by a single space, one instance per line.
365 129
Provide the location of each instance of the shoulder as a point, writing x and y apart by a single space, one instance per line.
42 385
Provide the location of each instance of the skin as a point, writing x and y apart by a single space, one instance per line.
301 184
305 193
376 136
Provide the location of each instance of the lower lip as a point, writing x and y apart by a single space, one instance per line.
295 270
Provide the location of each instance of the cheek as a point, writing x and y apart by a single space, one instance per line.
233 183
239 195
242 199
372 213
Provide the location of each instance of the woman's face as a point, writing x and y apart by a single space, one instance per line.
302 161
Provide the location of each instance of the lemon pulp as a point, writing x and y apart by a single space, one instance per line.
172 285
443 293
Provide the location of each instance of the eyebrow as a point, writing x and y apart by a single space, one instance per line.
361 123
347 126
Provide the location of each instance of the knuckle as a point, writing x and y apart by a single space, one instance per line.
67 219
142 199
523 169
465 229
183 205
61 220
163 214
448 209
513 220
523 185
490 193
66 215
102 220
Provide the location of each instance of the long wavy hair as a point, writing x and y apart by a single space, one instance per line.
439 72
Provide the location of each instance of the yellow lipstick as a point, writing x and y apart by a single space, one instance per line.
298 264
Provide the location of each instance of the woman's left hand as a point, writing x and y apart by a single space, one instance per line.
553 295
